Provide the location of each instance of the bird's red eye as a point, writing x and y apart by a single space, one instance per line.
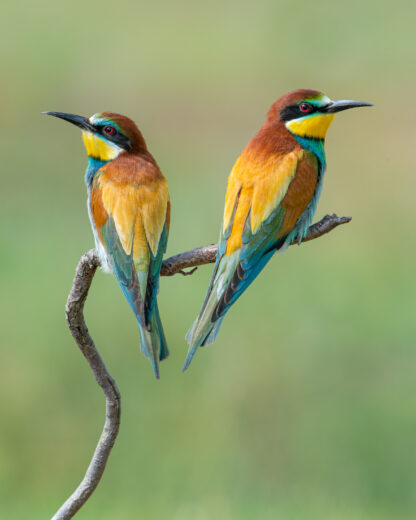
109 130
305 107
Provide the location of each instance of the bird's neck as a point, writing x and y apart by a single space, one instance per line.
99 151
99 148
310 132
277 138
93 166
316 146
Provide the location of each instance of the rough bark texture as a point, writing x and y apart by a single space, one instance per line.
75 317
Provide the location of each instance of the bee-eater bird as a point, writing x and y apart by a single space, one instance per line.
271 198
129 209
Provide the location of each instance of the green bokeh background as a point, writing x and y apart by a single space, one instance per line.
304 408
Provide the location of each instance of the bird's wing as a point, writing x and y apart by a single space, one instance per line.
264 200
132 223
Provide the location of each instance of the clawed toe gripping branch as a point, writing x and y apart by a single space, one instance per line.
74 313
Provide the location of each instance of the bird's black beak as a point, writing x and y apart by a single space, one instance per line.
80 121
343 104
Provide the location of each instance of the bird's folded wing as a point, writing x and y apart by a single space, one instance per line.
265 198
132 222
255 189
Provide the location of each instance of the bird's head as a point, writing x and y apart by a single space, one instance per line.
309 113
106 134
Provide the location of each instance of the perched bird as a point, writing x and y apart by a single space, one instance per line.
272 193
129 209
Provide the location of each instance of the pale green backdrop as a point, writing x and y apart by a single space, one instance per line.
304 408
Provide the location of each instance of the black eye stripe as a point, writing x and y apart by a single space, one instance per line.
115 136
294 111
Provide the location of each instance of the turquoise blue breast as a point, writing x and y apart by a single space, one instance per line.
93 166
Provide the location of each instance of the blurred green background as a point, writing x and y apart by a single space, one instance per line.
304 408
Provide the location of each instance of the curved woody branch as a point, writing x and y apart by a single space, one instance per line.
74 313
75 317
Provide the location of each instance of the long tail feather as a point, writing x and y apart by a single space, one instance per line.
210 333
163 349
153 342
205 329
230 280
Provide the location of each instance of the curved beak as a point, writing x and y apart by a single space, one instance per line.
343 104
80 121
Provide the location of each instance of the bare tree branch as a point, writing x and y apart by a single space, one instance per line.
75 317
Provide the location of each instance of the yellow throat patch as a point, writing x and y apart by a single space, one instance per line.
315 126
98 148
